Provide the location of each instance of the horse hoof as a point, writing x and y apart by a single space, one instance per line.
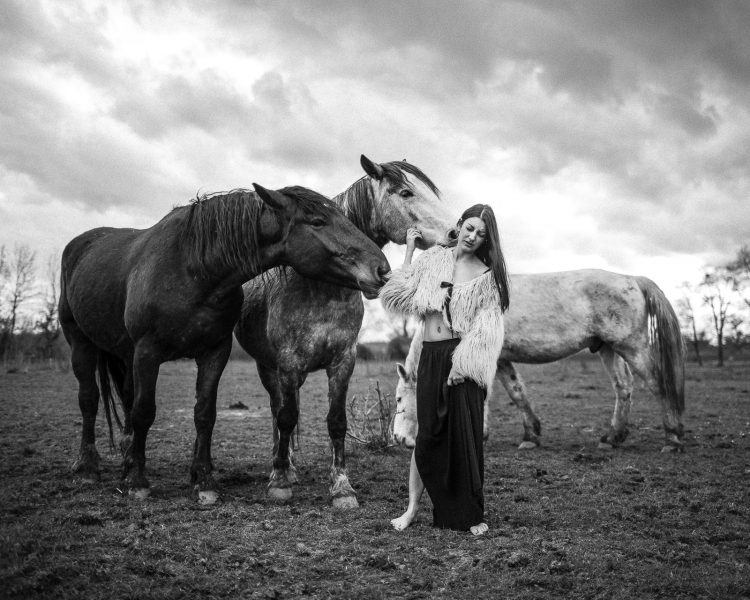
87 478
528 446
139 493
606 446
345 503
281 495
668 449
208 497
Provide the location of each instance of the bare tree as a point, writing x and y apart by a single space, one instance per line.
741 263
687 314
3 266
377 322
4 277
19 289
739 270
716 288
737 335
49 325
401 326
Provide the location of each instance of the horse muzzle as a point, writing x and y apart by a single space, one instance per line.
404 441
372 285
448 237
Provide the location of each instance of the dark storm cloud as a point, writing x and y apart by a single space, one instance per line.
28 36
209 103
589 48
109 158
661 55
648 97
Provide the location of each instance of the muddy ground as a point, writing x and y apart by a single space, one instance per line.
567 520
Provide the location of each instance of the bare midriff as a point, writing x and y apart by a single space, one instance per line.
435 328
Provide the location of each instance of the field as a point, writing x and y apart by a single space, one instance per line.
567 520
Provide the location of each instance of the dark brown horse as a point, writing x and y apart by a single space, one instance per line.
292 325
132 299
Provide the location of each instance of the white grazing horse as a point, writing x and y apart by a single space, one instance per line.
626 319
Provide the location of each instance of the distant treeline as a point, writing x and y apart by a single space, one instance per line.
714 313
724 293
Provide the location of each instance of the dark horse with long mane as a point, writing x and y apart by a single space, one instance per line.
292 325
132 299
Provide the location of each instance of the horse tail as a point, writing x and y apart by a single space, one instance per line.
666 344
111 371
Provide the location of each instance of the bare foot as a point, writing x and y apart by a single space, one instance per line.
404 520
480 529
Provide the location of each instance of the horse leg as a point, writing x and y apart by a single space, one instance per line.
339 374
127 406
145 373
641 364
486 410
622 382
284 474
270 380
210 367
511 380
84 359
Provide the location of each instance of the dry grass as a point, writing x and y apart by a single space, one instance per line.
370 420
566 520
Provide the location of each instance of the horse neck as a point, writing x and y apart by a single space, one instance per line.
360 205
227 248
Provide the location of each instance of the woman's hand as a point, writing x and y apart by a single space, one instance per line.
412 235
454 378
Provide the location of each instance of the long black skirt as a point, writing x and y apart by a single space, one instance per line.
449 453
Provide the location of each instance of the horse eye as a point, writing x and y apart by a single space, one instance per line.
406 193
318 222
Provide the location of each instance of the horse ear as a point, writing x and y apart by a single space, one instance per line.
402 372
275 200
374 170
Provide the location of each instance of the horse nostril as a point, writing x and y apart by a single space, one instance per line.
383 272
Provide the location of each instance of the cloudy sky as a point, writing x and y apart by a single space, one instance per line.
612 135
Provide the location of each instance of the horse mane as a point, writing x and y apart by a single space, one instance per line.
223 228
358 202
395 172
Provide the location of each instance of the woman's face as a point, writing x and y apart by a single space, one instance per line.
472 234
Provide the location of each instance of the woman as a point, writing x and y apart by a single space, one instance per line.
461 294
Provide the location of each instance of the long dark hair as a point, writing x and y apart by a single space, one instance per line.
490 252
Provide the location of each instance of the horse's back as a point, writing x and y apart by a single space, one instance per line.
617 304
91 243
554 315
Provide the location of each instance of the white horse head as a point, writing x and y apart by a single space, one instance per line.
405 422
394 197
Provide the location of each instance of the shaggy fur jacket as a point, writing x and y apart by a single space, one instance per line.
475 310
